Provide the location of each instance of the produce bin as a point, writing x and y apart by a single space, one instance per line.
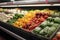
30 35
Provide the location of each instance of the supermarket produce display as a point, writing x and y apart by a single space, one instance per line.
39 22
29 20
47 27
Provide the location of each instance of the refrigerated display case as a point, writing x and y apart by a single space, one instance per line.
5 36
20 2
32 22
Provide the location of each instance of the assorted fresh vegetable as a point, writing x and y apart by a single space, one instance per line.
15 17
47 27
35 21
5 17
41 22
30 20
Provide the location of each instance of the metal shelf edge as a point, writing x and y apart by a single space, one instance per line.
30 5
12 34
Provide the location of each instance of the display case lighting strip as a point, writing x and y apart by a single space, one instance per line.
34 5
25 2
56 4
10 6
26 5
30 5
28 2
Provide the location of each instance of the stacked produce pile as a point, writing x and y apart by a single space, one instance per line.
51 12
15 17
48 26
5 15
41 22
30 20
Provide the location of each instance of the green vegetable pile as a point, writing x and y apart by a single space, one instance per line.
48 27
15 18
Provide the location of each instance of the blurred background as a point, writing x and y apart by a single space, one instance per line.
28 0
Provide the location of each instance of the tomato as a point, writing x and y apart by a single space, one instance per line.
31 28
24 27
36 25
58 35
45 16
54 39
37 16
30 21
42 19
36 21
29 24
